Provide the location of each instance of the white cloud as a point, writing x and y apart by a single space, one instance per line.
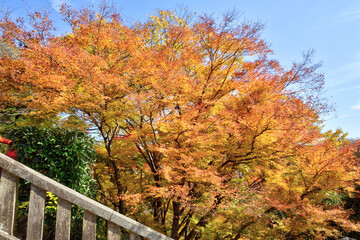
56 4
344 89
346 73
356 107
349 15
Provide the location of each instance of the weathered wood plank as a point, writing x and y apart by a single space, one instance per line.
35 224
134 236
5 236
89 226
8 197
113 231
63 220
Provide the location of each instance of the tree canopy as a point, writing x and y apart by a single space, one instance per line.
203 134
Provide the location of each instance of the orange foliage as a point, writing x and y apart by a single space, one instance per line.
203 134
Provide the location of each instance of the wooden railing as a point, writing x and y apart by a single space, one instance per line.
13 170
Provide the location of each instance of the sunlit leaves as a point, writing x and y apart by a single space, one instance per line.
202 134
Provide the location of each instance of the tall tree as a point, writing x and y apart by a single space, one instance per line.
201 131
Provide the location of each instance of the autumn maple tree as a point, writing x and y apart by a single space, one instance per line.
203 135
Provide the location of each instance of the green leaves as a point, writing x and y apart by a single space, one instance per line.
65 155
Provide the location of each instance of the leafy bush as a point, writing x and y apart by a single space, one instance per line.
64 155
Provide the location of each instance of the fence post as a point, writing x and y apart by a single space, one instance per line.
8 198
134 236
63 220
113 231
89 226
35 223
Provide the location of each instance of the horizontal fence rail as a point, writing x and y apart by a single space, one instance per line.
13 170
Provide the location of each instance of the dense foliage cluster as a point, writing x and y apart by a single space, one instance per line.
64 155
203 135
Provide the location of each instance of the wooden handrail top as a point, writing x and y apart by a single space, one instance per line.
68 194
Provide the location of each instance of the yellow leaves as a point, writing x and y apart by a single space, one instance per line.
186 116
52 197
303 184
51 202
162 24
338 137
23 205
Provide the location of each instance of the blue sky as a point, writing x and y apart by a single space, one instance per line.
330 27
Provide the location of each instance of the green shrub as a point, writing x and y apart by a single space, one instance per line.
64 155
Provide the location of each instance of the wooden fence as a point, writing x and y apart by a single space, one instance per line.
13 170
